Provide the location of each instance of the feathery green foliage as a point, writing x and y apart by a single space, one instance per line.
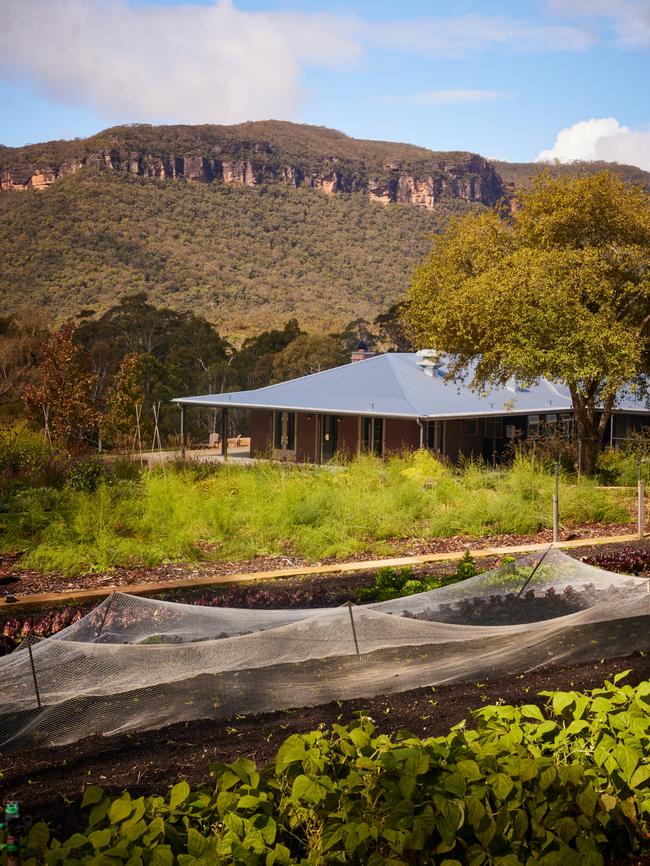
231 512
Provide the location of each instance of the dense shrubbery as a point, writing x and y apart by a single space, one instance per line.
565 787
232 512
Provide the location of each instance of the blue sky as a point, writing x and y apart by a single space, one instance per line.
500 78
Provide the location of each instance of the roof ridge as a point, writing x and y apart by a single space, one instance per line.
317 373
401 383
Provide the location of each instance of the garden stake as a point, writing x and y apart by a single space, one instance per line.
109 604
556 503
31 661
640 495
354 631
532 574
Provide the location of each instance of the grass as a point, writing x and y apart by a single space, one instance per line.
233 512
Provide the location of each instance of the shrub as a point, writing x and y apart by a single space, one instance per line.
466 567
570 785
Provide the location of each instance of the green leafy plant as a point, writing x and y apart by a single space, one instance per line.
466 567
567 784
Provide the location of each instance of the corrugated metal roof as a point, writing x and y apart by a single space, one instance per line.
394 385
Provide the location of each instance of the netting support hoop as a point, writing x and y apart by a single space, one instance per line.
34 678
109 605
532 574
354 630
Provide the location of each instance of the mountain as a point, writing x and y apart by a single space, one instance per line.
249 225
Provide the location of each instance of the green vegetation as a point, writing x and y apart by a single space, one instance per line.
560 289
568 786
520 175
246 259
298 144
230 512
392 583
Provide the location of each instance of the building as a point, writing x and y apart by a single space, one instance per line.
387 403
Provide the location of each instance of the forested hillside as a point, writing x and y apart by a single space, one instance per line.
246 258
247 225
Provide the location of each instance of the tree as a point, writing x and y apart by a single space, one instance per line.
308 353
559 288
252 366
124 402
22 335
63 400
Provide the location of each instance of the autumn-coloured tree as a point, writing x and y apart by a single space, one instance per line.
63 400
559 289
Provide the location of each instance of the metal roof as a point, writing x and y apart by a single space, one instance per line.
395 385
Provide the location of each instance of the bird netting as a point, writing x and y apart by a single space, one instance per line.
135 663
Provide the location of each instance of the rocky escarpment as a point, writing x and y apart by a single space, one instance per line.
424 182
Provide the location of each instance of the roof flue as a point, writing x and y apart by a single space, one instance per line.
429 361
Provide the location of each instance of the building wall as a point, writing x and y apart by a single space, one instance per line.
470 437
348 441
261 432
400 434
452 440
306 451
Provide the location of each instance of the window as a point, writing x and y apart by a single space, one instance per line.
470 427
533 425
493 428
372 435
277 430
284 431
435 435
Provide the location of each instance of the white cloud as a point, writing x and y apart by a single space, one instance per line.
220 64
600 139
192 64
629 19
447 97
470 34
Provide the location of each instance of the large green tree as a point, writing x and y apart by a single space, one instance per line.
309 353
559 287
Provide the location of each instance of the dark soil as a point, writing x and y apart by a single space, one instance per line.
147 762
20 582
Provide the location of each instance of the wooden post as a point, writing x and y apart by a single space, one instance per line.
640 502
34 679
354 630
556 503
224 433
182 431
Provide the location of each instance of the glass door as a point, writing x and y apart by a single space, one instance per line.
284 435
329 437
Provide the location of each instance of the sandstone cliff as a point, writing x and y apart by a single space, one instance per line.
416 177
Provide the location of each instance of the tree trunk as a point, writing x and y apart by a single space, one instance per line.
589 427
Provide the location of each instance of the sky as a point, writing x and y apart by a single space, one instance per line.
519 80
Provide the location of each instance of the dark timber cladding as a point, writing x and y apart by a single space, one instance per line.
383 404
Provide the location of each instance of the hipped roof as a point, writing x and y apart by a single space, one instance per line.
395 386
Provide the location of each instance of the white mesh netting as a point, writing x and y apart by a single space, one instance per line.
134 663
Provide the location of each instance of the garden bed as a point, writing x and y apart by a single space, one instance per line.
45 781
